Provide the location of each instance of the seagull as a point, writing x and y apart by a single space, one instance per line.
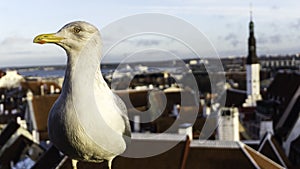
88 122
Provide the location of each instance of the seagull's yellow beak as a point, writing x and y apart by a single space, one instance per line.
47 38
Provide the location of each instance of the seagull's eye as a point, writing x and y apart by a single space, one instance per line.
76 29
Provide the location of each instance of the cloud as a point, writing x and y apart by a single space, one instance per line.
13 40
146 42
275 39
219 11
274 26
232 39
262 39
274 7
17 50
270 39
296 24
148 48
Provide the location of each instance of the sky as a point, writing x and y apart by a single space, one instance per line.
223 23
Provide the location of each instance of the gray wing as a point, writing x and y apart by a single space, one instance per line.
124 114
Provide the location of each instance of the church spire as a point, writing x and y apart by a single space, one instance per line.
252 69
252 58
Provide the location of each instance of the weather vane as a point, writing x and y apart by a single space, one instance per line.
251 11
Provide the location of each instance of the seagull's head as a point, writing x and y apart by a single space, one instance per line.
72 36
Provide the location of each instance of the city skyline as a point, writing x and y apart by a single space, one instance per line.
225 24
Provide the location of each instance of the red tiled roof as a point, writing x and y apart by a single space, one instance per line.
271 148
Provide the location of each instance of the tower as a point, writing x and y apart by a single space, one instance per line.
253 69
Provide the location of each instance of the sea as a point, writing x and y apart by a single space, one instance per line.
45 71
57 71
